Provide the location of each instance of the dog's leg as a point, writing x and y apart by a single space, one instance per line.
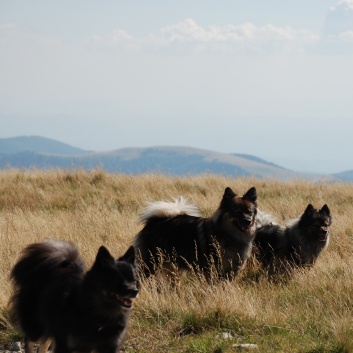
44 346
30 346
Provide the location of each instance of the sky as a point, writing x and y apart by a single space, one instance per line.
269 78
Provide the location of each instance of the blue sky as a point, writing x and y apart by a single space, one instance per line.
268 78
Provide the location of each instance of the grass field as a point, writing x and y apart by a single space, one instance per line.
312 313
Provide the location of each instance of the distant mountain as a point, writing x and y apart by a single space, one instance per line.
42 153
344 176
256 159
37 144
187 160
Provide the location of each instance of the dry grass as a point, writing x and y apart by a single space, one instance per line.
313 313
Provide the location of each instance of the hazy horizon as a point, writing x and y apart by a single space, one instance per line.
269 79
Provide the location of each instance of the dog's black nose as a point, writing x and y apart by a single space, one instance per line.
324 231
247 221
133 293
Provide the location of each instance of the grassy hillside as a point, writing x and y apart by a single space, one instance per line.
312 313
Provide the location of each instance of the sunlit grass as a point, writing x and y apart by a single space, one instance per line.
312 313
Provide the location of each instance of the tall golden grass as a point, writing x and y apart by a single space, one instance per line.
312 313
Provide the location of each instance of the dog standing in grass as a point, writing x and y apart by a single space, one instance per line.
56 301
175 236
282 249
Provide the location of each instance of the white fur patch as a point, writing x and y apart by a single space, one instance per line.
264 219
292 222
169 209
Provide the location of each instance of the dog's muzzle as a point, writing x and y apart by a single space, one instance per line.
324 232
245 224
127 300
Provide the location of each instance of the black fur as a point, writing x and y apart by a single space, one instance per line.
187 241
281 249
55 298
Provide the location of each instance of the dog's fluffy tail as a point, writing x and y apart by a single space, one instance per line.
49 259
47 265
173 208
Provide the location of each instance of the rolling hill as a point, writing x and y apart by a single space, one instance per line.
37 144
42 153
344 176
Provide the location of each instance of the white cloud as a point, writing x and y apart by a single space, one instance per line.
339 18
346 36
344 5
189 34
189 31
119 38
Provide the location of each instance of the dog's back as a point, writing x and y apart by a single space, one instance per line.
280 249
172 229
41 278
269 241
174 234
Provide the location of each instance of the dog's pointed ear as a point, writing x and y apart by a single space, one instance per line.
129 256
227 197
309 210
250 195
103 258
307 215
325 210
228 193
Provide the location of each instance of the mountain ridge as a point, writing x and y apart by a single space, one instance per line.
26 152
37 144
